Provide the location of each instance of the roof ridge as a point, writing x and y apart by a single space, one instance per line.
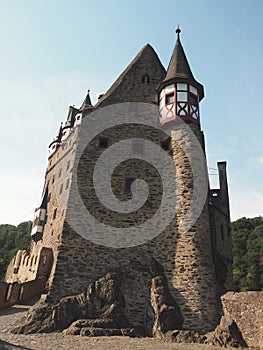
119 80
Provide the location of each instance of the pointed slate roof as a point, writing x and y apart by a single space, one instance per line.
130 86
179 69
178 66
87 102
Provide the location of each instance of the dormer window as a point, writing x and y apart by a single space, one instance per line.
169 99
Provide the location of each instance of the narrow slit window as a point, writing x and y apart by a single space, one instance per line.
146 79
54 213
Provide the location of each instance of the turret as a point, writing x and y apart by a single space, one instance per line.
86 103
72 112
179 93
53 146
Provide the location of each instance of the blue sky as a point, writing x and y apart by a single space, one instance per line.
53 51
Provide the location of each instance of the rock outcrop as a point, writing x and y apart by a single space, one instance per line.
102 309
167 313
247 311
226 334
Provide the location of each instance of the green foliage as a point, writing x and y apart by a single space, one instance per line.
247 237
12 239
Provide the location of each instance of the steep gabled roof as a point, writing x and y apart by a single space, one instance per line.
131 85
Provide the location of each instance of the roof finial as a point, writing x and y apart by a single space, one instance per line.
88 91
178 31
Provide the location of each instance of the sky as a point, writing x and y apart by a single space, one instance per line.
52 52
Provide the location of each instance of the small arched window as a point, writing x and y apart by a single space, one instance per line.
146 79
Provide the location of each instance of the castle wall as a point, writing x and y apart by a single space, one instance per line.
221 232
246 309
186 258
17 293
194 274
71 262
37 261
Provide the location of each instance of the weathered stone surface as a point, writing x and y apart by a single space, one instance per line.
247 311
226 334
185 336
167 313
103 305
103 299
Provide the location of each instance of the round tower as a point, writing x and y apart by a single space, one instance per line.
194 282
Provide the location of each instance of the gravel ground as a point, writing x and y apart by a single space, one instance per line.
12 316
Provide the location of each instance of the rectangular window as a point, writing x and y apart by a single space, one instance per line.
103 142
60 172
68 165
181 86
193 90
54 213
169 99
127 184
182 96
165 145
193 100
137 147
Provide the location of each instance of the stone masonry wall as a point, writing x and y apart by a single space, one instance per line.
194 274
28 265
15 293
186 258
246 308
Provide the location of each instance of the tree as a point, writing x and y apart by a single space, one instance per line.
12 239
247 237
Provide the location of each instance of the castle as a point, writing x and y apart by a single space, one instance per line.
195 266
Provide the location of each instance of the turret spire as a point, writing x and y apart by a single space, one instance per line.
178 31
87 102
179 69
60 132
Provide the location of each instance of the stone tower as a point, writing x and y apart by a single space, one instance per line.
190 268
